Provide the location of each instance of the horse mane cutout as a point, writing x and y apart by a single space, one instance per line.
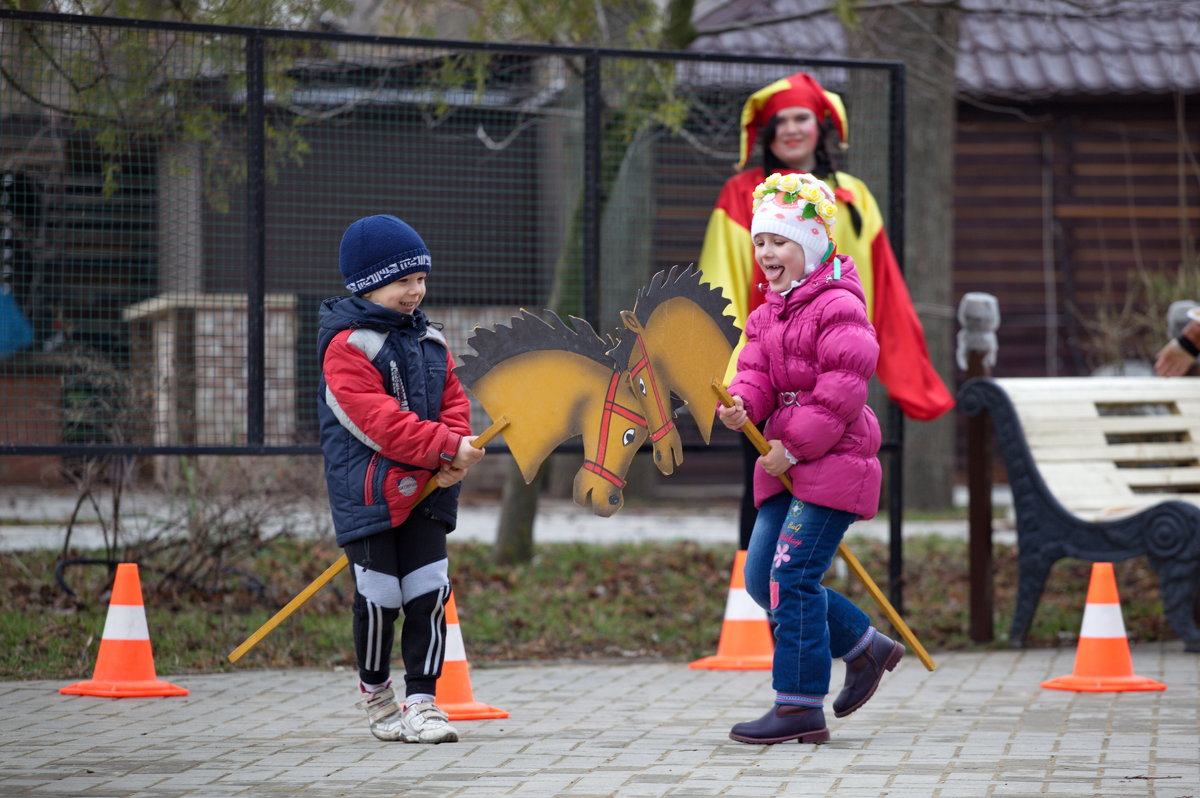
531 333
623 350
684 281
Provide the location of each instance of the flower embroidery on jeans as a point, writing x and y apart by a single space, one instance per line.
781 555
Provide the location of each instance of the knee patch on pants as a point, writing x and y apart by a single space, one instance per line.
379 588
388 591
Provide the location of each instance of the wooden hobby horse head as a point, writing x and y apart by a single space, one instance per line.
682 341
553 383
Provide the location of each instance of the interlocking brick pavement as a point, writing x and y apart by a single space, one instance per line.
979 725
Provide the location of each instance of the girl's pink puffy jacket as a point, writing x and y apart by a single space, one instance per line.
808 358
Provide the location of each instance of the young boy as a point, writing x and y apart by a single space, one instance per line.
393 416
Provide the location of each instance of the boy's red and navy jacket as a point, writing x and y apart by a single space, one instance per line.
391 412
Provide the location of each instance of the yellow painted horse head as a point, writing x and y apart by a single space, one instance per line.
681 341
553 382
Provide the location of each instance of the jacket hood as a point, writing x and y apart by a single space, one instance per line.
345 312
838 272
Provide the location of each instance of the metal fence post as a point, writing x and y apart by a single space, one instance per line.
593 187
256 203
895 417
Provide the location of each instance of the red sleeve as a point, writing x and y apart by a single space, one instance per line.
904 365
374 417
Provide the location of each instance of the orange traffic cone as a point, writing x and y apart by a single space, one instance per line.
454 694
125 663
745 643
1102 661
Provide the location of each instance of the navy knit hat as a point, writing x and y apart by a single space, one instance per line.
378 250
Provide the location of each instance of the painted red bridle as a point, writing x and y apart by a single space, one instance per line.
610 407
643 365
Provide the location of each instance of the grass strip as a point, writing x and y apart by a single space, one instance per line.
573 601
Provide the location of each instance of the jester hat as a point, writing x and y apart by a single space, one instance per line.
799 90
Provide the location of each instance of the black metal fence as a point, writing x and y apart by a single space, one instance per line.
174 195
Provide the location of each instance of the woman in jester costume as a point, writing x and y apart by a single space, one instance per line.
799 124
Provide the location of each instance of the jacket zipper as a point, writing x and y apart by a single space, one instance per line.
369 483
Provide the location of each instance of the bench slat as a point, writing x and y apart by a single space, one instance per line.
1071 450
1112 425
1080 446
1103 388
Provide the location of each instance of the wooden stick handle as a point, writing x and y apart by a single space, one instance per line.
329 573
760 443
293 605
885 605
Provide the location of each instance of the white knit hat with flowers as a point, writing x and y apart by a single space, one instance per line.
800 207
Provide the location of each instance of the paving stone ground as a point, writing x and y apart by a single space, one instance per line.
979 725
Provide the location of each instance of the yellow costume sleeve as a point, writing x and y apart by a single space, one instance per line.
727 257
727 262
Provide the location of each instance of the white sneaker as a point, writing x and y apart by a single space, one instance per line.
426 723
383 714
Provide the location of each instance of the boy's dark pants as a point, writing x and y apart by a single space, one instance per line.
402 569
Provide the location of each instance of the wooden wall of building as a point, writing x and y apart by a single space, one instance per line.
1059 208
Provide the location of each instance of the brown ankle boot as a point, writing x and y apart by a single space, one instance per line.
864 672
783 722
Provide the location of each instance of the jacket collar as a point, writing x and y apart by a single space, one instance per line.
837 272
344 312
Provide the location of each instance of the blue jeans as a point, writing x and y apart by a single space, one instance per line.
791 548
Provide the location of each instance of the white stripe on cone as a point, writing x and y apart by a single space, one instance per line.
455 650
126 622
740 607
1102 620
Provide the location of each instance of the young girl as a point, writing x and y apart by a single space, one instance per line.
809 355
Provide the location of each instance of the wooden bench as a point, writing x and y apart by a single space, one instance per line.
1101 469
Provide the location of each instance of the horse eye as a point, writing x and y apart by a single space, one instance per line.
642 386
628 437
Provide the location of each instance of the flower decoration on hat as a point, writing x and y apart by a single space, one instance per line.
790 191
800 207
